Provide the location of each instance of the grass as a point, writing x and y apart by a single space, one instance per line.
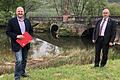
66 66
67 57
5 48
74 72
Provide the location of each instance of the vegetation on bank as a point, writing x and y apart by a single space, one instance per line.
74 72
5 52
74 56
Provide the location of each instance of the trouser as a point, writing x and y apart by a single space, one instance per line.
100 45
20 65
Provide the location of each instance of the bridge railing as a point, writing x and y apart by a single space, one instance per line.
77 19
46 18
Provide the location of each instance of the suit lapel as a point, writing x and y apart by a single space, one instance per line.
99 25
17 25
108 25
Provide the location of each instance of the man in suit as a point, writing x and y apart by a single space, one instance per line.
103 37
16 27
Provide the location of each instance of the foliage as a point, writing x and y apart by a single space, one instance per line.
78 6
94 8
64 32
7 8
31 5
114 8
2 21
72 7
5 48
56 8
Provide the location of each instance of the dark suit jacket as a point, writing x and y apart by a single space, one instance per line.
13 29
110 31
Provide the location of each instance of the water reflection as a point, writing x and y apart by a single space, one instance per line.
66 42
42 48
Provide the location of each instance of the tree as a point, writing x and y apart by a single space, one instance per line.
7 8
96 9
31 5
78 6
114 8
86 7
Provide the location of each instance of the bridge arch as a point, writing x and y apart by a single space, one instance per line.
54 28
88 32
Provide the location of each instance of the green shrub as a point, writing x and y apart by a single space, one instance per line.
4 17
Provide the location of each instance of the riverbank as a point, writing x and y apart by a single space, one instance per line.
73 51
72 56
67 57
74 72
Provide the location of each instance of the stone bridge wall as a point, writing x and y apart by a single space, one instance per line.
75 25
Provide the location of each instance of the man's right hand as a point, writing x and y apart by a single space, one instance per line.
20 37
93 41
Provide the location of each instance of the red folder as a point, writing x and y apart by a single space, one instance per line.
27 38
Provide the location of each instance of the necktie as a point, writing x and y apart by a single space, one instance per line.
100 29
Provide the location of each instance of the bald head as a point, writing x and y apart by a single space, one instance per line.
20 12
106 13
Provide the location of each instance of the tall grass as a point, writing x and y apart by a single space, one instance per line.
74 72
74 56
5 52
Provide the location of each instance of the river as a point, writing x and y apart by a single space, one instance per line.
42 45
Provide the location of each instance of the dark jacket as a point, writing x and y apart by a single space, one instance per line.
110 31
13 29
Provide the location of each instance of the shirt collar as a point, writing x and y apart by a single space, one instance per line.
106 19
19 19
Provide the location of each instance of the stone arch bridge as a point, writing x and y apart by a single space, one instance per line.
76 25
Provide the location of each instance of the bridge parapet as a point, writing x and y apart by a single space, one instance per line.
76 19
73 22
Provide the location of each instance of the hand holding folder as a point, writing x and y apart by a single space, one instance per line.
27 38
